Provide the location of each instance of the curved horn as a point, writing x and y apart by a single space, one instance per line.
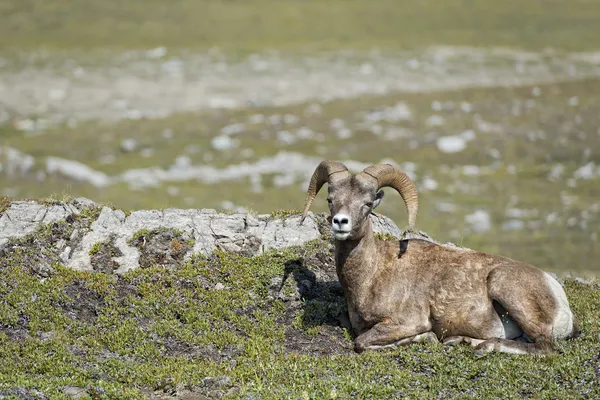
387 175
322 175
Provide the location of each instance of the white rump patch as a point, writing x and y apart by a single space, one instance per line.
563 320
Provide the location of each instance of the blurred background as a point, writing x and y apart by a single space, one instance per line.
492 107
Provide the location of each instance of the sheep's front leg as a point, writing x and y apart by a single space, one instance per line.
389 334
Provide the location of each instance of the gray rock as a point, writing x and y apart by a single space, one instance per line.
24 217
217 382
81 203
513 225
451 144
241 232
76 171
75 392
479 220
22 394
384 225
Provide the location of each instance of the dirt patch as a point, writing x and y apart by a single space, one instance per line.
163 247
17 332
84 304
102 256
329 340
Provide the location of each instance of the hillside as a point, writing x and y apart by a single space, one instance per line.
157 310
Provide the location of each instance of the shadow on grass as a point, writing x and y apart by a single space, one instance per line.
322 298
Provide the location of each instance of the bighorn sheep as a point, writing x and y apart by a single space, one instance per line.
415 290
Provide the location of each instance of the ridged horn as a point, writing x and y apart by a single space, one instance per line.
327 171
387 175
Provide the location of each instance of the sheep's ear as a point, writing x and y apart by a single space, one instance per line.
378 198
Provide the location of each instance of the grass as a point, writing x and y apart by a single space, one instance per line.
243 26
4 203
158 330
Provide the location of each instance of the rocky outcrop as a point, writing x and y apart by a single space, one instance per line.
87 236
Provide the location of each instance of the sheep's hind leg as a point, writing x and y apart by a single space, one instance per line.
386 334
513 347
518 346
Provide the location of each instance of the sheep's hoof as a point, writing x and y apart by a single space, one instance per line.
453 340
484 348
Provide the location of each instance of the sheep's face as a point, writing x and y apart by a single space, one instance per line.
351 201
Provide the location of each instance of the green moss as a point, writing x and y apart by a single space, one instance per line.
284 213
95 248
90 213
385 237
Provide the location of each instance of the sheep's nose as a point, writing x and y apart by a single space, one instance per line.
341 220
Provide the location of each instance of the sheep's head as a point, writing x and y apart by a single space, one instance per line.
352 198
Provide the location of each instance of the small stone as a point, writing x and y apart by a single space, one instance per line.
224 142
75 392
128 145
219 286
451 144
157 52
429 184
435 120
466 107
233 129
25 125
513 225
586 172
480 221
217 382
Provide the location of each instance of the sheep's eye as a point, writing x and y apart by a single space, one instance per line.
369 204
329 201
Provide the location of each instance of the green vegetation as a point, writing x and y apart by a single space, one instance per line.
272 329
241 26
4 203
384 236
96 248
284 213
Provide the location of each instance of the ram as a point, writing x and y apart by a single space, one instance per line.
415 290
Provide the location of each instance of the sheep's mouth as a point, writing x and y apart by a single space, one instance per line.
340 234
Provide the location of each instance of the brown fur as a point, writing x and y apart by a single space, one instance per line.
402 292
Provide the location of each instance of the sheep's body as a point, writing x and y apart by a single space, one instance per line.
412 290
